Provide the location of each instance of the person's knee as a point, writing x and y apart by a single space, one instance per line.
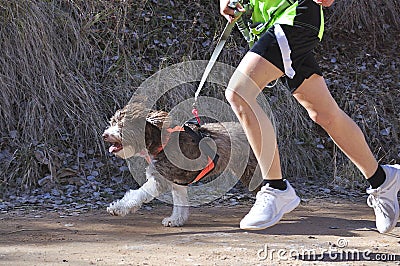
241 90
235 100
325 118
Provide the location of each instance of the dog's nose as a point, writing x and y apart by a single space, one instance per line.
105 135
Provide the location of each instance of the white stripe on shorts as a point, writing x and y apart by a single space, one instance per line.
285 50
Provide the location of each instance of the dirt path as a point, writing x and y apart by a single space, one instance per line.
317 232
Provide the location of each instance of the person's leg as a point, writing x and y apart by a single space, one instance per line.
251 76
277 196
315 97
313 94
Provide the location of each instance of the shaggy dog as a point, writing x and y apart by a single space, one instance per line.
175 156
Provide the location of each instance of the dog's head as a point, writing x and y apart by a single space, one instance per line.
134 129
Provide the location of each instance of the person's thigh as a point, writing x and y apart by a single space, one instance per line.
314 96
252 75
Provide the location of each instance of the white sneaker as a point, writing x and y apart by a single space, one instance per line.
384 199
271 204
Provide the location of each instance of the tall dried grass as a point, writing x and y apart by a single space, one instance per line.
67 65
51 99
376 21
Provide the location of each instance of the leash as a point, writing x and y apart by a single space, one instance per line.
249 35
221 43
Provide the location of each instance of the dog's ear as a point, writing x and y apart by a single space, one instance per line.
136 109
152 138
117 118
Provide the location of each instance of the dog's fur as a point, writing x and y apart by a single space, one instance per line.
137 131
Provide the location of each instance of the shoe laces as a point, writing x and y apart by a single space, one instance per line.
375 201
264 196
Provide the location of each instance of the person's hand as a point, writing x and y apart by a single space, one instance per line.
325 3
228 12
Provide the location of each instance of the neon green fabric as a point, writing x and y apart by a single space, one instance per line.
322 26
277 11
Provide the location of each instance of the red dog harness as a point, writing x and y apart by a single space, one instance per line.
206 170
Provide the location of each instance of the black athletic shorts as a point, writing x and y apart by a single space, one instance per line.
302 41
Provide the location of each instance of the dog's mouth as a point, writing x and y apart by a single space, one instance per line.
116 143
115 147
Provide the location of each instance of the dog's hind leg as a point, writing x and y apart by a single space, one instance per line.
180 212
133 199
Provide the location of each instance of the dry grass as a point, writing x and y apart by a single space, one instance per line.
67 65
375 21
51 100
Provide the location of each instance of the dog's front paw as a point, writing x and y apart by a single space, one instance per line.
131 202
174 221
118 208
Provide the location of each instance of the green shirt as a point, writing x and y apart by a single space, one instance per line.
287 12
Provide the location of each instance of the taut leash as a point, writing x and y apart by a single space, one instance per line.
221 42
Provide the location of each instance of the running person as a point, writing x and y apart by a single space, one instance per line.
289 32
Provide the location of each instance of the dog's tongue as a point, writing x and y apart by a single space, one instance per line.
114 148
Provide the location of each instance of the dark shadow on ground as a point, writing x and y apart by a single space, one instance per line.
96 225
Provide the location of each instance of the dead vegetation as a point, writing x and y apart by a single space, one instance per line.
68 65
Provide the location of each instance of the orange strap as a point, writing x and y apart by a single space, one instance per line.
176 128
209 167
166 139
205 171
145 155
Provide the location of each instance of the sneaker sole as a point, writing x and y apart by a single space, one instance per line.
288 208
